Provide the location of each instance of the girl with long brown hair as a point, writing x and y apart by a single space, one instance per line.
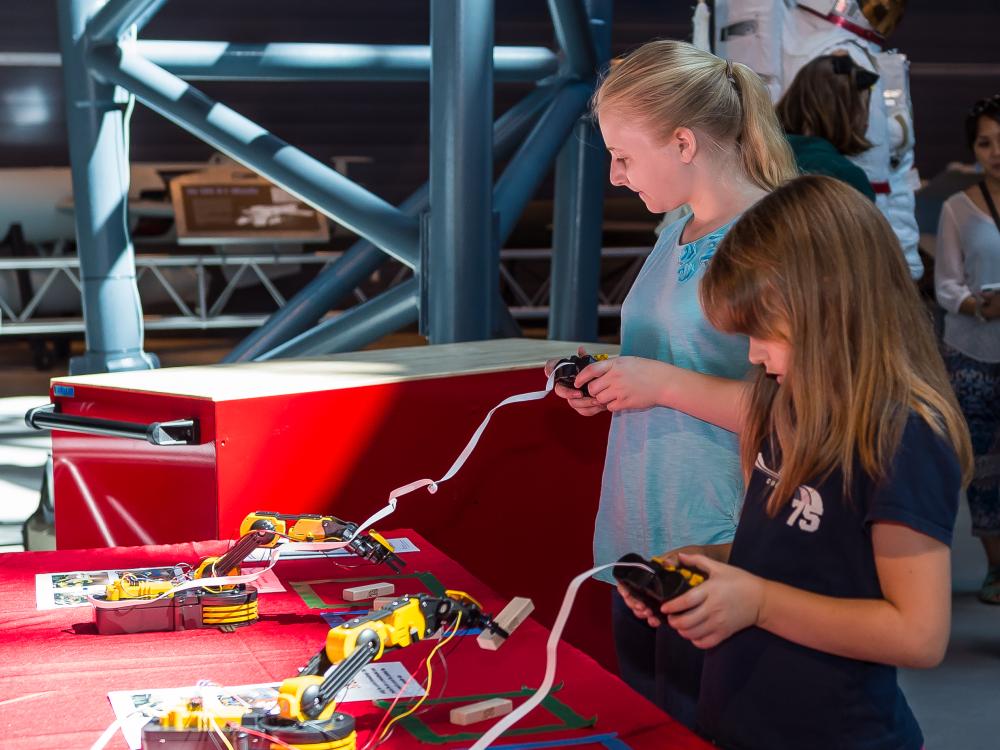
683 127
854 451
825 115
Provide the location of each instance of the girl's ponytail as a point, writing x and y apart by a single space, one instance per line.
764 151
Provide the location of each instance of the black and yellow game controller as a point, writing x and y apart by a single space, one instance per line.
661 585
568 368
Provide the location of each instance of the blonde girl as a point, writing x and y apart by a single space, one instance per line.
854 452
682 127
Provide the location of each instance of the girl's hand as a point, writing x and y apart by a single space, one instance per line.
624 382
583 405
639 609
989 305
728 601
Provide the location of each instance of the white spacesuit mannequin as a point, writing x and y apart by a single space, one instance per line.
776 38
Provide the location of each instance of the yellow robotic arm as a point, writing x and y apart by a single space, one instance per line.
361 640
307 718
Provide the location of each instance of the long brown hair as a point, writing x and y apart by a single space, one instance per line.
668 84
815 264
824 103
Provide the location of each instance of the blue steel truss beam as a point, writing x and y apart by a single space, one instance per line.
573 32
358 326
222 61
577 216
248 143
461 275
363 258
114 20
533 160
94 115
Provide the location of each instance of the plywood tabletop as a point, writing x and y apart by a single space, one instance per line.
337 371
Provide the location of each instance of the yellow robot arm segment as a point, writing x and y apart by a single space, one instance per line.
130 586
307 527
268 521
296 693
397 626
195 714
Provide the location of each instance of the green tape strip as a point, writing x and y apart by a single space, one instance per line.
314 601
569 718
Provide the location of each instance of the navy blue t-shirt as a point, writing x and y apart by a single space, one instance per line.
761 691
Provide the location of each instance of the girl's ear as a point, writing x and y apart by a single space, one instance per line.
687 144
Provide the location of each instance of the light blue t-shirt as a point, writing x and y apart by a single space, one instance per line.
670 479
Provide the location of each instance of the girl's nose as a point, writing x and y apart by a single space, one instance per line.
617 174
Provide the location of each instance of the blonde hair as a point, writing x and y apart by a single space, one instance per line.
815 264
668 84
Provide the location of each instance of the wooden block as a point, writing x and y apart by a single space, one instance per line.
510 617
368 591
383 601
489 709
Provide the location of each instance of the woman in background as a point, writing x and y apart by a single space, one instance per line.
967 282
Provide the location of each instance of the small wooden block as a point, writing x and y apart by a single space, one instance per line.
383 601
489 709
368 591
510 617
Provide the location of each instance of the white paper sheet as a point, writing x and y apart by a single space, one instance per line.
71 589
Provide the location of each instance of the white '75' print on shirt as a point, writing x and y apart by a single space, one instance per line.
807 505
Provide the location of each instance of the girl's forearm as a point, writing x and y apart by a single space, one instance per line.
866 629
720 401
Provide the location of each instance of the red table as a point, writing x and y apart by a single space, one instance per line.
57 670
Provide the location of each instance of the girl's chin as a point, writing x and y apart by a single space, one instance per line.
652 205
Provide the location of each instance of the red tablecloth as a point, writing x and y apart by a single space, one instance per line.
56 670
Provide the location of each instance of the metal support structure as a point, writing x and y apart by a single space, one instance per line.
460 275
356 327
114 20
533 160
223 61
577 219
449 234
100 172
320 186
572 24
363 258
177 285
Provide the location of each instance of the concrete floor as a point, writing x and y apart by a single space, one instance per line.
957 704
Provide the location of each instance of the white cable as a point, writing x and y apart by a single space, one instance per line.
112 730
105 738
550 657
431 484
